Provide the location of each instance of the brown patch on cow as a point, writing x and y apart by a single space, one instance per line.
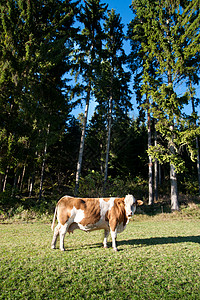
117 214
90 207
64 206
91 212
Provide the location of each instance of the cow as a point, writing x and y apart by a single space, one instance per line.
88 214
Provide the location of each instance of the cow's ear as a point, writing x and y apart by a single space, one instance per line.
139 202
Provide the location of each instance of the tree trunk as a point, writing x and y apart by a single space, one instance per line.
43 163
31 184
5 179
174 189
173 175
173 178
22 179
15 183
80 158
150 159
108 142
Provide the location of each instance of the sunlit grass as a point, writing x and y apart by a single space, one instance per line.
157 259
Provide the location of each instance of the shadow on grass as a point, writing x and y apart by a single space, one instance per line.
161 241
140 242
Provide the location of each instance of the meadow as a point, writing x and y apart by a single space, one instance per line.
158 258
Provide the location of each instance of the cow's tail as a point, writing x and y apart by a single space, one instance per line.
54 219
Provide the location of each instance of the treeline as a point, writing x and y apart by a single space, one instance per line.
55 55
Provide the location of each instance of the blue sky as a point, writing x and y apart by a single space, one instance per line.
122 7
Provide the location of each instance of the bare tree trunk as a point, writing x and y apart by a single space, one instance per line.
101 160
15 183
173 179
108 142
31 184
22 179
173 175
80 158
5 179
43 163
150 158
174 189
32 180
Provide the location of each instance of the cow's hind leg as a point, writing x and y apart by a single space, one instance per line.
62 232
106 234
114 236
55 235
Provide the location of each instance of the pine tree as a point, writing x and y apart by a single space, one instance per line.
111 89
85 59
171 34
143 67
33 60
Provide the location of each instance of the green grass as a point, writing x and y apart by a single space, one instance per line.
157 259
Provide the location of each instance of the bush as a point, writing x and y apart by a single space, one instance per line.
92 186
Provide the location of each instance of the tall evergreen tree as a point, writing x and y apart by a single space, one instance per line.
86 57
143 66
111 89
33 60
166 25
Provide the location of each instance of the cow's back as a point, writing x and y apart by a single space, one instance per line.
89 207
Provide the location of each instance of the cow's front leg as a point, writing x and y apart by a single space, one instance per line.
114 236
62 232
106 234
55 235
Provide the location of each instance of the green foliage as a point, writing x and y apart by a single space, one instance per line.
40 45
33 60
190 185
91 185
161 35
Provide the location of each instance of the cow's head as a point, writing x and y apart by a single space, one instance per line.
131 204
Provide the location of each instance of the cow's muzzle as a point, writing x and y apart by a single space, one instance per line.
130 214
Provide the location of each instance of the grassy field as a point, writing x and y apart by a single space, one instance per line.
158 258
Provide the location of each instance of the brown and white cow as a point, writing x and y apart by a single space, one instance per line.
111 214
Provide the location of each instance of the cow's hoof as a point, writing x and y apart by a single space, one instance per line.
53 247
62 249
115 249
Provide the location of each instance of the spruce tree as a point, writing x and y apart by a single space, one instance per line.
172 36
85 59
36 37
111 88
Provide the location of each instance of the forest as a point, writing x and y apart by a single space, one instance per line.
57 55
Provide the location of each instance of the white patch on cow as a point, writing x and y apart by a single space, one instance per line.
105 206
130 205
77 215
101 224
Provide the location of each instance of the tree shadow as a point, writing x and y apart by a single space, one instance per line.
160 241
139 242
